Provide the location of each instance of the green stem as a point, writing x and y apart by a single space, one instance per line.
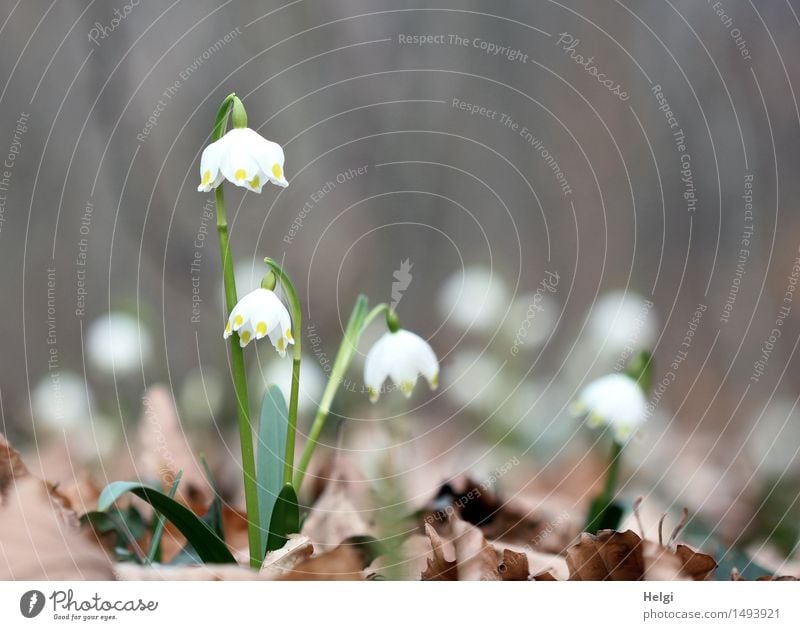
240 388
600 512
359 320
615 456
297 324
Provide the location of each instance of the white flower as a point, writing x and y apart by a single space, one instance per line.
244 158
61 401
118 343
474 380
312 381
620 320
261 313
403 356
615 400
474 298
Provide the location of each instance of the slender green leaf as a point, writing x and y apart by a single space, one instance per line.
205 542
214 515
154 555
270 453
127 525
285 518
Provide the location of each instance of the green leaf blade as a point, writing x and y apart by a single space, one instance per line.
270 452
210 548
285 518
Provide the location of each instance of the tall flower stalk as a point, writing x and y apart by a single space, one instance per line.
239 373
618 402
297 318
245 159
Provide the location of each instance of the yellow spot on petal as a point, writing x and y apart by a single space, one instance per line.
240 175
228 328
277 171
281 345
237 321
255 182
206 178
434 382
261 329
289 335
594 419
245 337
623 433
406 387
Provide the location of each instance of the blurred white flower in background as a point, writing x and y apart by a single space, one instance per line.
474 299
401 356
201 395
61 401
118 344
531 320
279 372
621 321
615 401
243 157
774 442
473 380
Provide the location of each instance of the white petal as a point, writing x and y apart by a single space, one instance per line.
616 400
423 356
246 333
210 162
376 366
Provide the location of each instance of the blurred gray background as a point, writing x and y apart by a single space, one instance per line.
106 106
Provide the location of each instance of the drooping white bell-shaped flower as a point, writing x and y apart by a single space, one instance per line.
258 314
402 356
616 401
244 158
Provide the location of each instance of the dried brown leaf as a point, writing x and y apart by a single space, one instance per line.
345 562
11 466
39 539
698 566
475 557
438 567
608 556
342 510
281 561
514 566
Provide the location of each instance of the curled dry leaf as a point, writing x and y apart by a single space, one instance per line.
514 566
439 567
476 557
464 554
518 520
342 510
39 535
608 556
345 562
612 555
281 561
